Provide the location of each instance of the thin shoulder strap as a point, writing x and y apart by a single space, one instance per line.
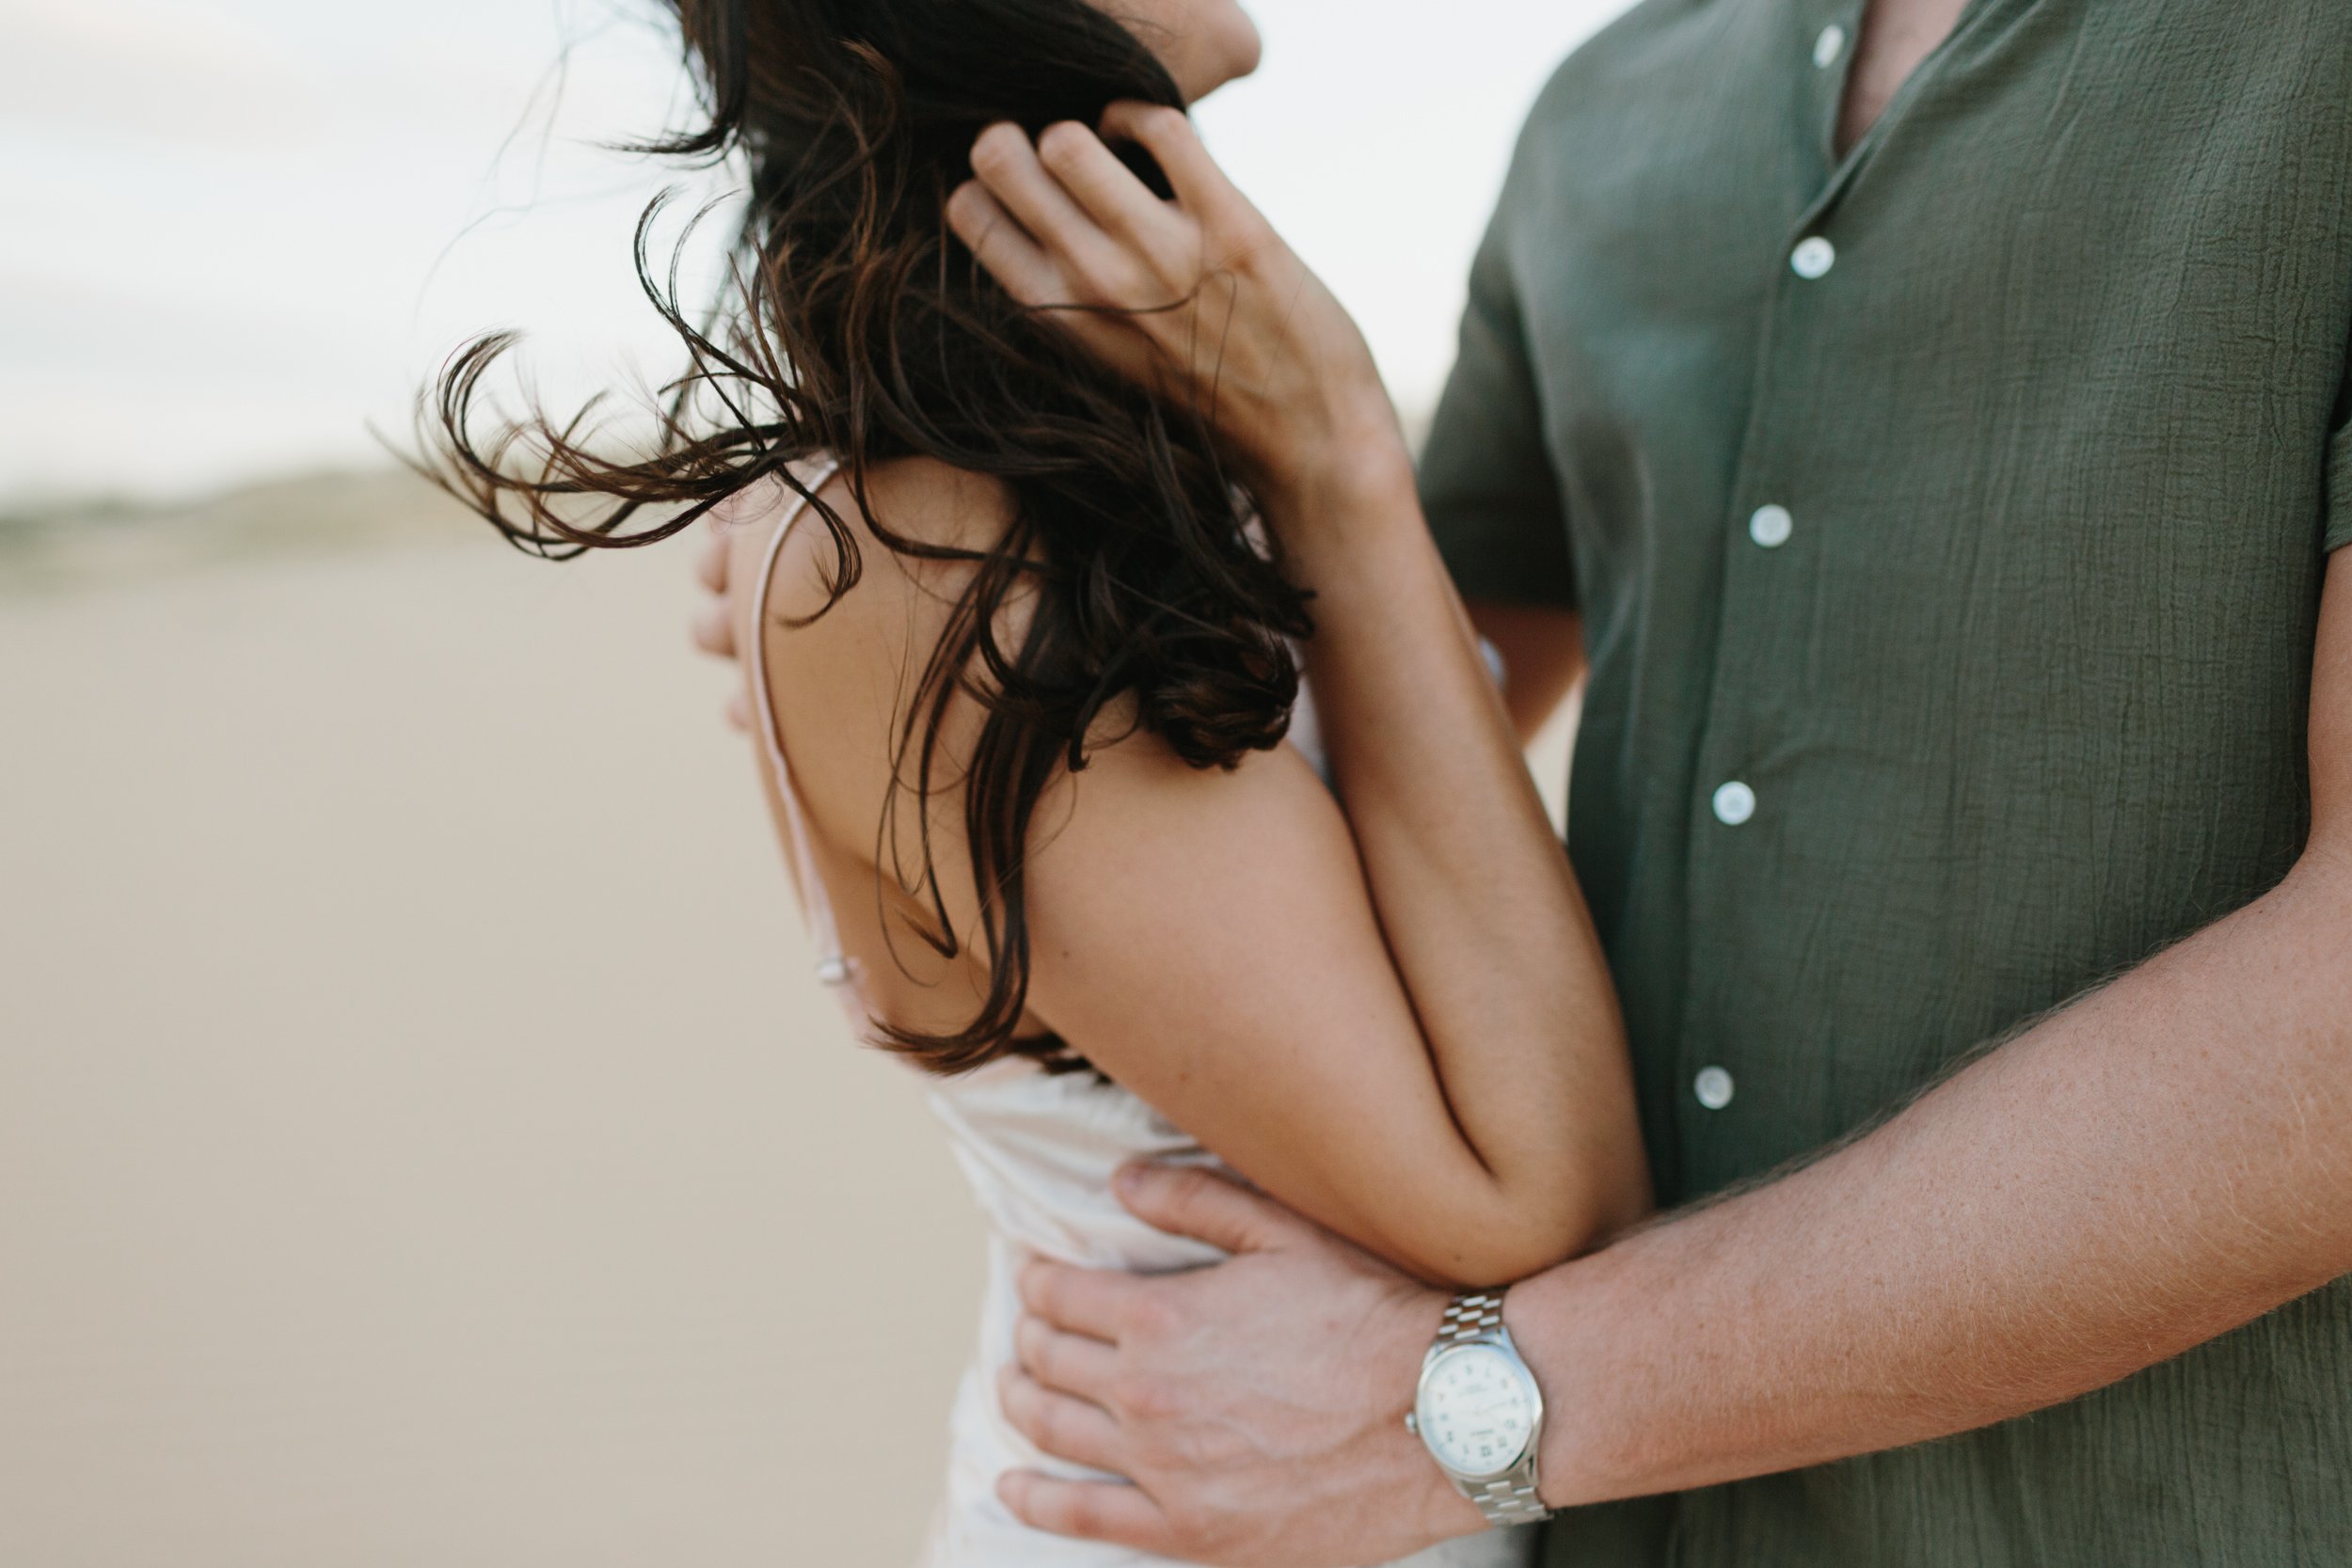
833 966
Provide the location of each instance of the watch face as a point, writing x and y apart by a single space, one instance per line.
1477 1412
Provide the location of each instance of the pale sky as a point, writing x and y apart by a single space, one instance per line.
232 231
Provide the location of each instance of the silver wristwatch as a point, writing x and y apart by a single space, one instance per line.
1479 1412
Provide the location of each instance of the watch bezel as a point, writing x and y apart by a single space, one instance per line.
1498 1342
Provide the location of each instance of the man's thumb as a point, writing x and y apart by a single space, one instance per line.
1186 1200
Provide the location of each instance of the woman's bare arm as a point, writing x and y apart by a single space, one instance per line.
1212 939
1199 297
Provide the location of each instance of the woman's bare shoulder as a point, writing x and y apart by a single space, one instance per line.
921 501
844 668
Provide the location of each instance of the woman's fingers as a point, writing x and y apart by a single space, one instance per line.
1024 269
1170 137
1009 167
1113 196
1002 247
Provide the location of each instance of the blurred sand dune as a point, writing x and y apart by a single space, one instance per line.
420 1141
79 541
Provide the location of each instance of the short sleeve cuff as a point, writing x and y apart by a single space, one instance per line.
2339 491
1502 550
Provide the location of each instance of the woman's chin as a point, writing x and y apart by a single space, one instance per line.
1227 60
1248 50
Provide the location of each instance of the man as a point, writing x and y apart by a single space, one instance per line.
1927 431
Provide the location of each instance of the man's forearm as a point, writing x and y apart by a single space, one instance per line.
2158 1164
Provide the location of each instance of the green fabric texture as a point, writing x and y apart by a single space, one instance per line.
2059 433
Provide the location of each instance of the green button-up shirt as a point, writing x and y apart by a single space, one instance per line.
1946 522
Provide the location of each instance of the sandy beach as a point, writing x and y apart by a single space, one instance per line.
421 1140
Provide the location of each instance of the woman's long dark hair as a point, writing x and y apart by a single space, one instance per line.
859 327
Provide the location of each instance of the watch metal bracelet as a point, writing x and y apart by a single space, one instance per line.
1507 1500
1472 1315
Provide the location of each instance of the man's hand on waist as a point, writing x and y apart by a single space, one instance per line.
1257 1405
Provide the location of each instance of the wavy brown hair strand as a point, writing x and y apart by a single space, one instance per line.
1128 580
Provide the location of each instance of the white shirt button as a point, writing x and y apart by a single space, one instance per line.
1813 258
1735 802
1831 44
1771 526
1713 1088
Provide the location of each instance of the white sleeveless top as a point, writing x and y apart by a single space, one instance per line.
1039 1148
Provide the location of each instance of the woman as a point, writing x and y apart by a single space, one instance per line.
1021 662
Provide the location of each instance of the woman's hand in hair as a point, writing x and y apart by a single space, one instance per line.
1197 297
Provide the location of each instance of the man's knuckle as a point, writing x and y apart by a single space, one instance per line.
1215 1449
1149 1316
1049 1428
1192 1448
1041 1290
1049 1424
1044 1507
1084 1512
1197 1537
1194 1186
1149 1398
